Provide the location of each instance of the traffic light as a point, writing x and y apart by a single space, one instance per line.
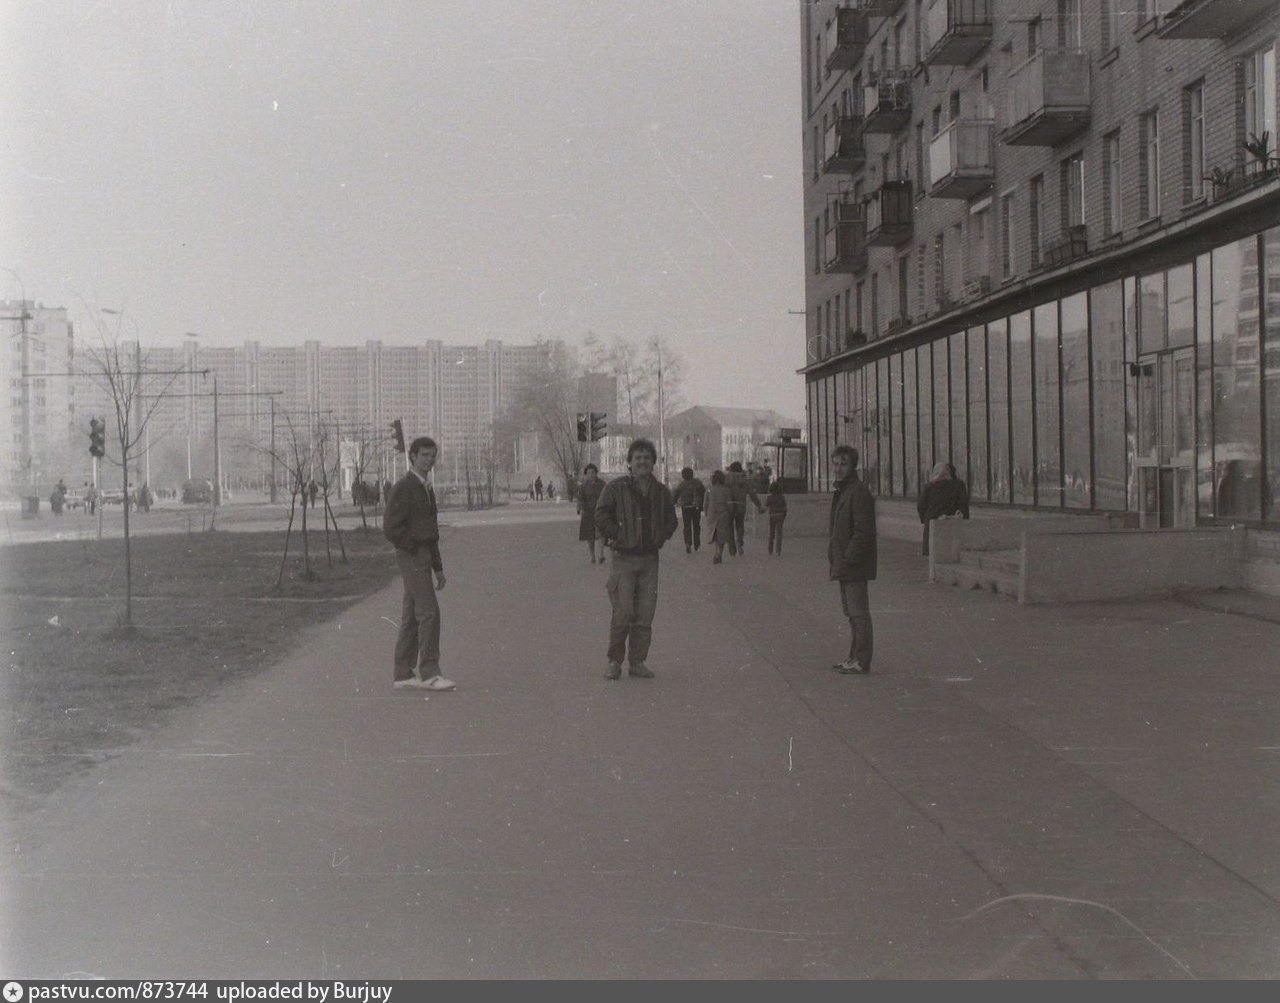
598 425
582 427
97 437
397 432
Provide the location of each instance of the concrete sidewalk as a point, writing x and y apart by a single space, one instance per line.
1083 791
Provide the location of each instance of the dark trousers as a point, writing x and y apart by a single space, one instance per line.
633 592
418 643
739 529
692 518
857 607
775 532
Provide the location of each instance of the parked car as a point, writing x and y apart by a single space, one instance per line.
111 496
197 491
73 499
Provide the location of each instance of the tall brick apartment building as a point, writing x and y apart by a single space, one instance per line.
1039 246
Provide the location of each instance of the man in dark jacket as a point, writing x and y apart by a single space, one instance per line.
635 516
851 555
944 495
411 526
741 490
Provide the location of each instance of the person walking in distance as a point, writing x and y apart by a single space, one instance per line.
690 495
588 494
851 555
635 516
775 503
410 523
741 488
537 487
720 517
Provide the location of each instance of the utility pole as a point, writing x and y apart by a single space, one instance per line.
217 449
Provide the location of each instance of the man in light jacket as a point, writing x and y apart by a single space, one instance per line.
851 555
635 516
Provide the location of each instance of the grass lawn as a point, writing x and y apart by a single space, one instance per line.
80 687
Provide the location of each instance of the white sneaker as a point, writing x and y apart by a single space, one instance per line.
438 683
406 684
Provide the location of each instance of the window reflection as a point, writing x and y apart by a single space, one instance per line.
1048 419
998 395
1022 444
910 443
1237 430
1075 401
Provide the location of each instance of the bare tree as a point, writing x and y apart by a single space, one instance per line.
328 463
134 395
546 403
625 361
294 454
364 450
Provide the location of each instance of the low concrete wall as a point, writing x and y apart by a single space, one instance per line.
1261 572
947 537
1129 564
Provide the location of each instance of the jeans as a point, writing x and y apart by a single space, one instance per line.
692 518
857 607
775 532
633 591
418 643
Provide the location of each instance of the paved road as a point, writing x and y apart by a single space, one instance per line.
1016 792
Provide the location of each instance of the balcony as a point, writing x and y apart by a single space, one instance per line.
1211 18
846 244
1067 246
847 34
956 31
960 159
881 8
886 103
844 150
1048 98
889 214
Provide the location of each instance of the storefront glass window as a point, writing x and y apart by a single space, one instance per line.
1237 427
1022 445
1151 313
1204 389
895 423
910 427
975 351
884 426
1182 317
1076 477
943 448
1106 323
1048 410
1271 375
924 381
1129 321
998 409
957 427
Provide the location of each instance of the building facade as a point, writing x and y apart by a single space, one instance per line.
37 424
710 438
267 394
1043 244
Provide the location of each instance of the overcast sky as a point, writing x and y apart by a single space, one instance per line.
418 169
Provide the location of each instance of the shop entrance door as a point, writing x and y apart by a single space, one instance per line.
1166 440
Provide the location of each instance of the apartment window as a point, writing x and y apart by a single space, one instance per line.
1006 235
1110 24
858 302
978 258
1033 218
1194 167
953 106
903 170
875 305
904 282
849 320
1259 98
837 344
1112 215
937 120
922 173
899 30
1070 27
939 268
918 21
1147 11
1035 35
817 244
817 153
1073 190
1149 155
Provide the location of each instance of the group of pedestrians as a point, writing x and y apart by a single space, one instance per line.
633 516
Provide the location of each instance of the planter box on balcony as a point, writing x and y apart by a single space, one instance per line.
956 31
1049 98
844 150
1211 18
886 102
846 240
890 211
961 161
847 33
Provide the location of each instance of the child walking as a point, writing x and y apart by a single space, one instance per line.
775 503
